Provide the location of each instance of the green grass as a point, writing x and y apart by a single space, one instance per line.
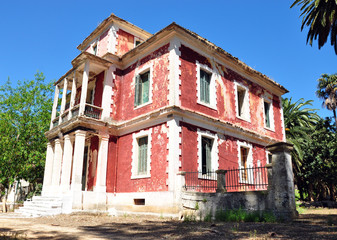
239 215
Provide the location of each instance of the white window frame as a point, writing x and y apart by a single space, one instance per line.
249 161
214 153
139 71
246 110
135 39
268 98
135 151
212 87
267 156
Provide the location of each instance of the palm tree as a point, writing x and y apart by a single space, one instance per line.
327 90
321 18
299 122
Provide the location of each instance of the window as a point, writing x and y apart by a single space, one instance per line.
205 81
269 157
245 156
142 155
137 42
94 49
206 154
141 152
268 112
206 86
242 102
142 88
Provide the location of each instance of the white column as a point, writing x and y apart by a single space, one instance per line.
73 96
102 162
64 95
66 165
56 98
107 92
57 166
84 87
48 170
76 178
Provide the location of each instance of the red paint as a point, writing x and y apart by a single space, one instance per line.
103 44
92 163
124 86
159 164
99 89
226 109
125 42
111 165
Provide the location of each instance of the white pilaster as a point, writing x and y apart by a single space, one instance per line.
107 93
76 178
48 170
64 95
66 165
102 163
174 141
84 87
174 72
73 96
56 98
57 162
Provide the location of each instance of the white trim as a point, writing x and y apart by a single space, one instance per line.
212 88
269 99
134 169
267 156
112 47
143 69
282 121
135 39
246 110
174 73
215 150
107 100
249 159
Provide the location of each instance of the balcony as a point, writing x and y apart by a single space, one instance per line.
90 111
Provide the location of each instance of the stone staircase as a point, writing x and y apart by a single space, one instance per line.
41 206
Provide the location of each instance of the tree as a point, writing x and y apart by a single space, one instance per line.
321 18
326 90
24 118
299 121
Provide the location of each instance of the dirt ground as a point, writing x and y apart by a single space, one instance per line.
313 224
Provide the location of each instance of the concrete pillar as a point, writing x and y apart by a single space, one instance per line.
221 180
84 87
64 95
76 180
56 98
107 92
57 163
48 170
282 181
102 162
66 165
180 184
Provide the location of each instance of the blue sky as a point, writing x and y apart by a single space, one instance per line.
43 36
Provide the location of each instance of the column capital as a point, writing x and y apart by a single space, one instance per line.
80 132
280 147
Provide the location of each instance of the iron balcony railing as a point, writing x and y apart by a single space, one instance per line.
241 179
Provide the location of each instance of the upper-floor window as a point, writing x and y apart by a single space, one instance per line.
242 102
142 88
268 114
206 89
94 49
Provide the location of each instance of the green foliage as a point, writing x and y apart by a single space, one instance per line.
240 215
24 118
320 16
208 217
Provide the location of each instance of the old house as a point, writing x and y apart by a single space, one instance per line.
138 108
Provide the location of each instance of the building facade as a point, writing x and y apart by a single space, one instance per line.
136 109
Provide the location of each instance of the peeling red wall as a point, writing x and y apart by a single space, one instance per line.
92 163
125 86
111 165
103 44
99 89
125 42
225 92
159 164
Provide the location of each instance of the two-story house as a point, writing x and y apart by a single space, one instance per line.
136 109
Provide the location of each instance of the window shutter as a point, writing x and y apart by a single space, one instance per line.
145 87
142 155
204 86
137 90
209 155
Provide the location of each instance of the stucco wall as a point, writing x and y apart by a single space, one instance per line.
225 94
